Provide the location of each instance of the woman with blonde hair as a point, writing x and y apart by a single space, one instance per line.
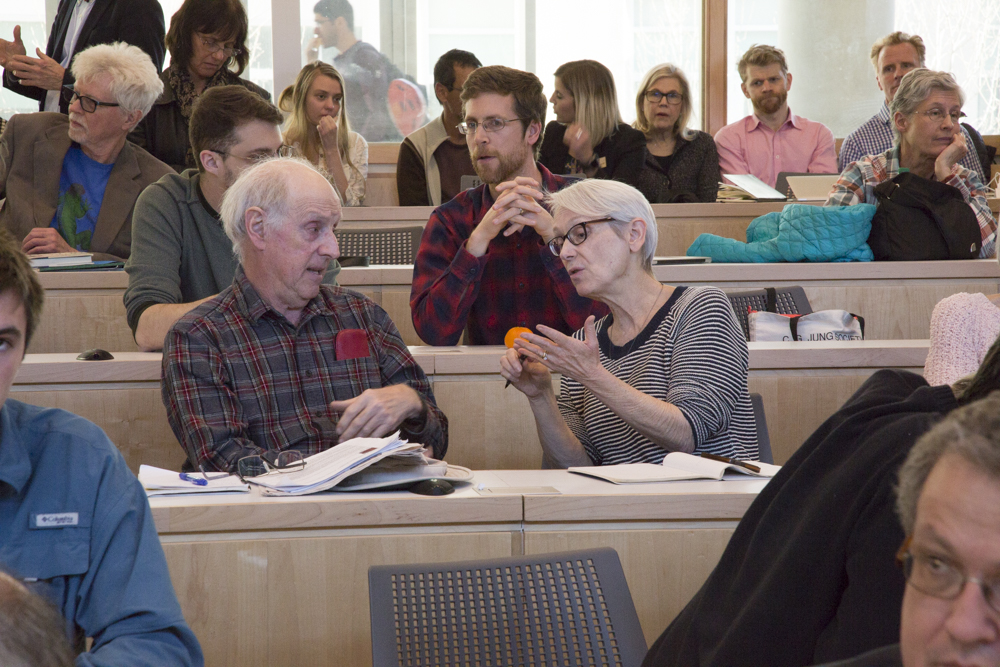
588 136
680 164
318 130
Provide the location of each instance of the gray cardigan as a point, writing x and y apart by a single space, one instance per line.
694 169
180 252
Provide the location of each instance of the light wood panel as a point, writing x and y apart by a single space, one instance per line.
299 602
663 568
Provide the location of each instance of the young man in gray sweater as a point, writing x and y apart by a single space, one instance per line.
180 253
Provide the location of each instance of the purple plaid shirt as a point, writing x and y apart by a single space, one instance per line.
517 283
239 378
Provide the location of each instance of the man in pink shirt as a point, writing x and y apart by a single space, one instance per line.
772 139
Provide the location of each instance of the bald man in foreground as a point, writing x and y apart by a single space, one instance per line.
278 361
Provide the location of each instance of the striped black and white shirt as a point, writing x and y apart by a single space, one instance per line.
692 354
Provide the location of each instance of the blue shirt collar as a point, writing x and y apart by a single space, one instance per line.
15 465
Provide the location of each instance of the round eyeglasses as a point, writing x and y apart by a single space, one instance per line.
576 235
214 47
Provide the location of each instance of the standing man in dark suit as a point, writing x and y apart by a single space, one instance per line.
79 24
71 182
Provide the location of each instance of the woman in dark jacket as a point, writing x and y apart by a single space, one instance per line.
678 161
207 45
588 137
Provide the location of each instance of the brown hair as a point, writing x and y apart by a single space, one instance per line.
225 18
895 38
761 55
17 276
31 630
525 87
219 112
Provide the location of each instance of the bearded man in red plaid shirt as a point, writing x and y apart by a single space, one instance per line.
278 361
483 264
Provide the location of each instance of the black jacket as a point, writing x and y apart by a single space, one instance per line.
138 22
694 169
621 153
809 575
164 130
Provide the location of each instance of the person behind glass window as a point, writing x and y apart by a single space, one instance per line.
207 41
588 137
434 159
665 371
679 161
926 111
892 57
317 128
772 139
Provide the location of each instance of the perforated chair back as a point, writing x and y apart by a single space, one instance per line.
392 245
764 454
788 301
568 609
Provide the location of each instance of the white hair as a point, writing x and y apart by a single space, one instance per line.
917 86
598 198
265 186
132 77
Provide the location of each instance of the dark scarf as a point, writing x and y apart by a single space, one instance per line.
180 82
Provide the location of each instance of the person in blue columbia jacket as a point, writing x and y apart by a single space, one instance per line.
75 524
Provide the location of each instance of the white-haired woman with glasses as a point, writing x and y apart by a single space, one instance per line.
588 137
318 130
926 114
680 164
665 371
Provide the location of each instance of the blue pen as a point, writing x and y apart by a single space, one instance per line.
198 481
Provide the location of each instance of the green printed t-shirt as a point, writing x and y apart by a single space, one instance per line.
81 191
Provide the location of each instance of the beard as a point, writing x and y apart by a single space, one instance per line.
770 103
507 165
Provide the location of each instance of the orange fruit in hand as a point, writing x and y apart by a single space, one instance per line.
515 332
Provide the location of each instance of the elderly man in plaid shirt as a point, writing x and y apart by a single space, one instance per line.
279 361
482 265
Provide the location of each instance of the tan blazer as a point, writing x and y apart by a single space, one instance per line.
32 149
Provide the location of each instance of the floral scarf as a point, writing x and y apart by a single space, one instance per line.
180 82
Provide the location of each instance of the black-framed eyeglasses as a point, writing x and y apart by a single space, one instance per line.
214 47
941 579
576 235
269 463
673 98
88 104
490 125
283 151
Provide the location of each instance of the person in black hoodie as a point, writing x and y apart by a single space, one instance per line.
809 575
588 137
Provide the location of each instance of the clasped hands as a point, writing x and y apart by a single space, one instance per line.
518 205
42 72
530 363
375 413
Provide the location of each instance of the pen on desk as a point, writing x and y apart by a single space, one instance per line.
197 481
735 462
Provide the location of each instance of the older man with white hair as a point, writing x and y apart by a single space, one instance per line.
71 182
278 361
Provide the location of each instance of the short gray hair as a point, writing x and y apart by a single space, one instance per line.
971 432
917 86
133 80
599 198
263 185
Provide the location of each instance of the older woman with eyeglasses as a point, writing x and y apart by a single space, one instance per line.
665 371
680 164
207 45
926 114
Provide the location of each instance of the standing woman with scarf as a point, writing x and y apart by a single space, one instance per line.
207 45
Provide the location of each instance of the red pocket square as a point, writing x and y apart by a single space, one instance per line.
351 344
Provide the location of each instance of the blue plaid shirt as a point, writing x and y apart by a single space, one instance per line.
876 137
